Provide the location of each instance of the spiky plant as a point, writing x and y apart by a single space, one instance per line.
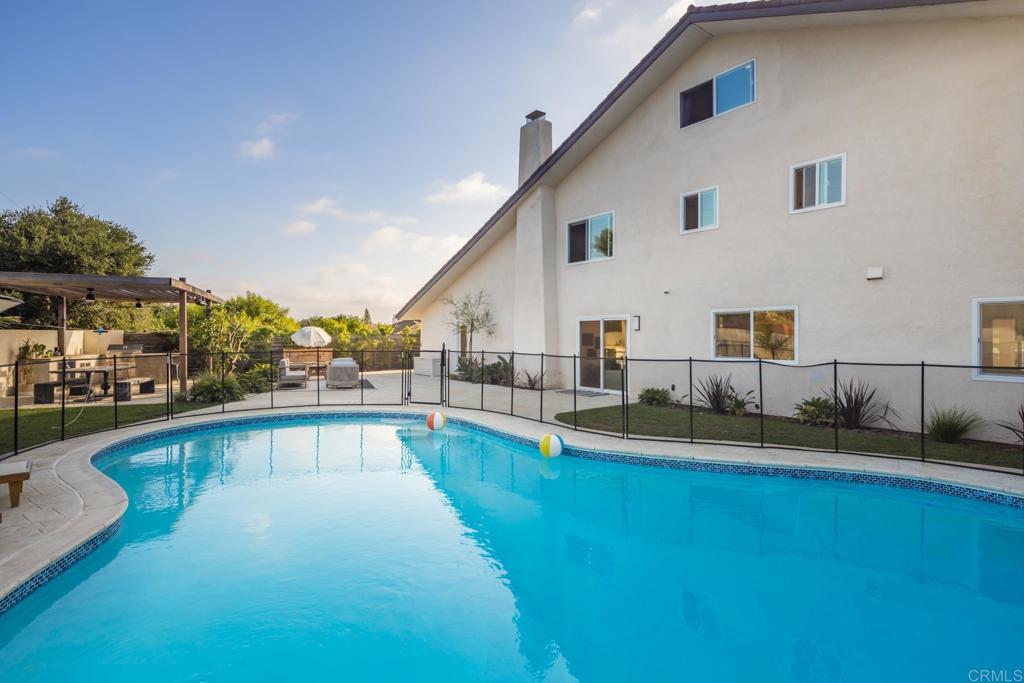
859 407
951 425
1017 428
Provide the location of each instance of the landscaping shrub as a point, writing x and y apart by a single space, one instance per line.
209 387
951 425
501 372
652 396
1017 429
257 379
858 407
819 410
532 380
466 369
739 403
717 393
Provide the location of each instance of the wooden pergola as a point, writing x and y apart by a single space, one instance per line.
64 286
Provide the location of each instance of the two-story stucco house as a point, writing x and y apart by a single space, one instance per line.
795 181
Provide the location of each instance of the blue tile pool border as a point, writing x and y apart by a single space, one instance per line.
906 482
57 567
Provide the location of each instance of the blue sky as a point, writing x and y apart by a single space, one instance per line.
328 155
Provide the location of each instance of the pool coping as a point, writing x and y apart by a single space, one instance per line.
103 502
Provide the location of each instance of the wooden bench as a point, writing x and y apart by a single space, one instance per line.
123 387
14 475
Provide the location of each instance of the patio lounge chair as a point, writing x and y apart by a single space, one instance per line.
291 374
342 373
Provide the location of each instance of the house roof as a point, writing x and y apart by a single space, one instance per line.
666 55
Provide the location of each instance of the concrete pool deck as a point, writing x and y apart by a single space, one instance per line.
68 501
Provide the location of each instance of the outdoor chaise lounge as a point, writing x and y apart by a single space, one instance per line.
342 373
291 374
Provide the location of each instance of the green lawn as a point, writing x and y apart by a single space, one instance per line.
39 425
674 422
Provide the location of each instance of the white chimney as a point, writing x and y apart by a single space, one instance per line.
534 144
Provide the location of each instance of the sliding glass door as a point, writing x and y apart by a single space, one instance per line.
602 352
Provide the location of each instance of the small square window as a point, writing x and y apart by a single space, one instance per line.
591 239
700 210
818 184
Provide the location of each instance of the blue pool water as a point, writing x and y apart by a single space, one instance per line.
373 550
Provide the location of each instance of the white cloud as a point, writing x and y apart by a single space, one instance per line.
166 175
273 121
676 10
261 148
300 227
588 14
395 240
328 206
473 188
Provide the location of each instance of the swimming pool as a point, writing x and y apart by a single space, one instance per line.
372 549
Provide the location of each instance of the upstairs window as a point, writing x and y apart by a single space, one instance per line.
699 210
818 184
591 239
724 92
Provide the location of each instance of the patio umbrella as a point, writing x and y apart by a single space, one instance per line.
8 302
311 336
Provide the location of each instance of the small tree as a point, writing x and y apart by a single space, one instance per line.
470 311
224 334
366 316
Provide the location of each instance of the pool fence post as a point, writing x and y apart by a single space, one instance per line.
512 386
689 396
63 391
542 387
362 363
270 369
115 392
317 369
575 420
17 381
760 396
167 388
922 413
223 379
483 358
440 383
624 370
835 402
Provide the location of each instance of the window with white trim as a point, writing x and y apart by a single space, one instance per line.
725 92
768 334
1000 330
699 210
818 184
591 239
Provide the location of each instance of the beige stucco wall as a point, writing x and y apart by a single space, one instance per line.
930 116
494 273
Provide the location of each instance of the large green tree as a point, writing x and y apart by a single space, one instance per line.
64 239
